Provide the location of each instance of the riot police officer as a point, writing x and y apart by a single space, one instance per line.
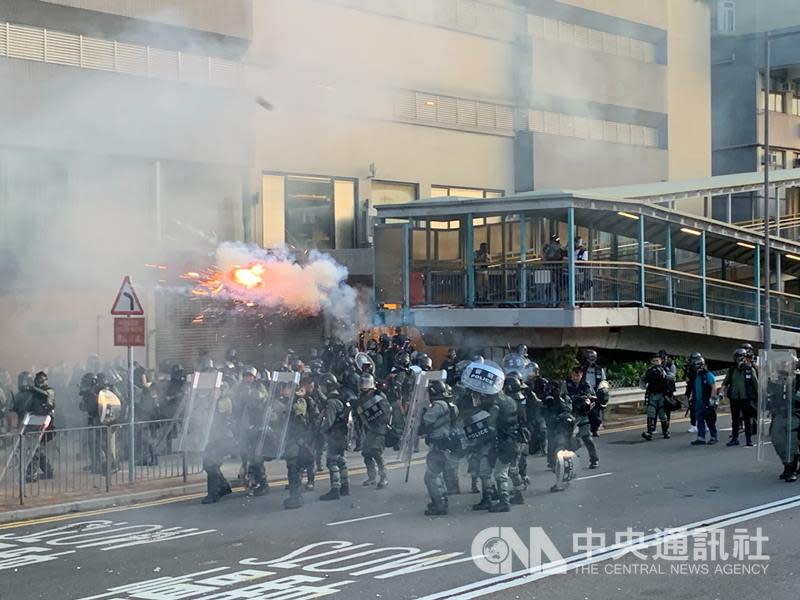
220 444
374 410
515 389
41 402
783 403
558 411
657 383
377 359
296 450
741 387
249 406
436 426
583 399
335 417
449 366
399 387
538 389
594 375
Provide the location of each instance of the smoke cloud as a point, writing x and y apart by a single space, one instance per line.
277 280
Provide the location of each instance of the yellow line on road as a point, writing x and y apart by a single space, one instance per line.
187 497
172 500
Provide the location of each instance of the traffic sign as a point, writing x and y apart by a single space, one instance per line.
129 331
127 303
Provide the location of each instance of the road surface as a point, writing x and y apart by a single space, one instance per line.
660 518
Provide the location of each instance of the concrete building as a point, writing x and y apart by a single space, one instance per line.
144 133
738 62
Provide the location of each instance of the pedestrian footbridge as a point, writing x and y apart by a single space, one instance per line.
636 272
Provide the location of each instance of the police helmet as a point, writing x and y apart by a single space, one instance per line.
366 383
534 369
328 383
591 355
439 389
402 360
452 353
522 350
372 346
40 379
424 362
250 371
739 355
177 373
24 380
513 383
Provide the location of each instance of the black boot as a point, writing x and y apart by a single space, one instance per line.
651 427
788 469
333 494
665 429
436 508
474 488
484 504
212 486
501 505
516 497
345 489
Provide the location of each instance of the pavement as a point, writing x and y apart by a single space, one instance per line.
657 519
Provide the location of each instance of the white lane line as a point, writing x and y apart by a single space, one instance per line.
359 519
615 551
592 476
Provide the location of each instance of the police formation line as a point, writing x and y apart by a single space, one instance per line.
490 416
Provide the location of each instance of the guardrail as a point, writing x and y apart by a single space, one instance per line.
64 461
632 395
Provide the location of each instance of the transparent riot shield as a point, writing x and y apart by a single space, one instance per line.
517 363
198 414
777 423
26 444
417 404
277 411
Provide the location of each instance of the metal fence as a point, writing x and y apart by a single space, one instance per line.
81 459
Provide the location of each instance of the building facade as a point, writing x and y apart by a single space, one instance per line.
738 90
139 135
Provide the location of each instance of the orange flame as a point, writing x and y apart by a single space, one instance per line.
212 282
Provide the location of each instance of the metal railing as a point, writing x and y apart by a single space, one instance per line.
601 283
64 461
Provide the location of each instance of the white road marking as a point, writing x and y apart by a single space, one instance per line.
525 576
592 476
359 519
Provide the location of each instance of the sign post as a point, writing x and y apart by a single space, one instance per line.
129 330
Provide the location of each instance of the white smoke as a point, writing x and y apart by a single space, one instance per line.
315 285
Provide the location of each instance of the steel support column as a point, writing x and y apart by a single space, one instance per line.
571 257
523 255
469 259
642 298
703 296
668 263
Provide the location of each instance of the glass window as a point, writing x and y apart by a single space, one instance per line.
392 192
726 16
309 212
438 191
776 101
795 109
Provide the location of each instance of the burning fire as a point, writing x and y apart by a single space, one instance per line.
214 281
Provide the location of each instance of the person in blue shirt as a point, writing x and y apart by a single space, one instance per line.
705 402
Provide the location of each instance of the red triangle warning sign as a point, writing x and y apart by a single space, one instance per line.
127 302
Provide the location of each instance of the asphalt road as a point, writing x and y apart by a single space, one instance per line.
712 501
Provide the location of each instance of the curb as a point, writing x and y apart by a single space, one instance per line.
52 510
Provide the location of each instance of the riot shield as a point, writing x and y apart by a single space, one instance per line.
777 422
514 362
109 407
417 404
32 431
198 415
483 377
277 411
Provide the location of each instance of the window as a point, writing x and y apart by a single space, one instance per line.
777 158
776 102
439 191
392 192
726 16
308 211
795 107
